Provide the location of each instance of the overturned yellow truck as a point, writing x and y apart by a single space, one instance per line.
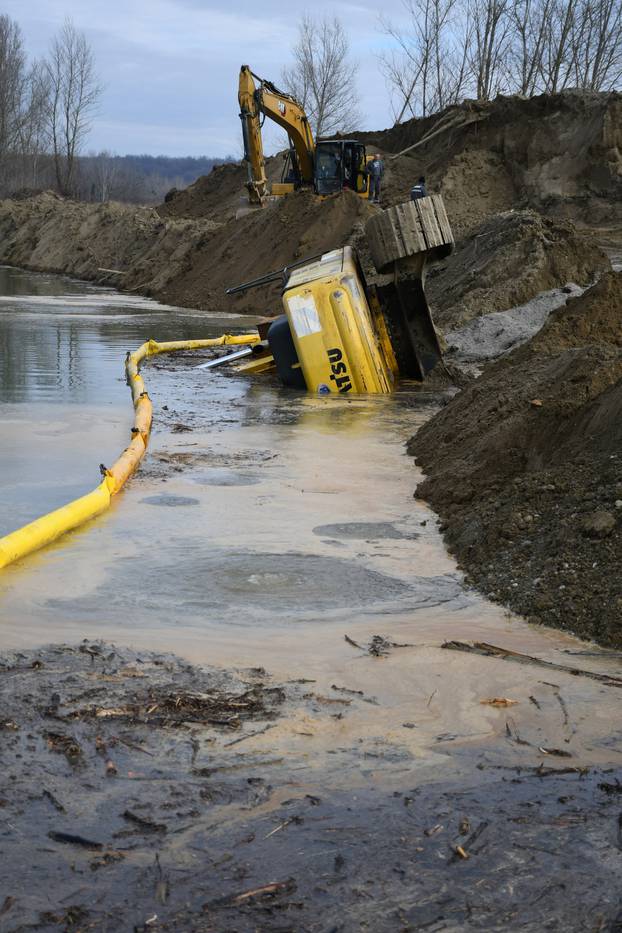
341 332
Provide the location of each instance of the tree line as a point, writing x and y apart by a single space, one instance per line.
46 108
444 51
454 49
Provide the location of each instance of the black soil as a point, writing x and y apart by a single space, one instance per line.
525 469
129 801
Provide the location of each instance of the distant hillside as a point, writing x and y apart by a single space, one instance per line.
139 178
184 169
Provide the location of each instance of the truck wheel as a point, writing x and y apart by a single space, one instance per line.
409 229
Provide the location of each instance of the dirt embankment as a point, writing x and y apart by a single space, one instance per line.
185 261
506 261
560 154
525 469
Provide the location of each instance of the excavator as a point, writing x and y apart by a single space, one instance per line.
342 330
328 165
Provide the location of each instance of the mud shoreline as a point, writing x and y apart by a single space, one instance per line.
523 467
145 793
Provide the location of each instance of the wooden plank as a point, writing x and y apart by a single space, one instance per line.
431 228
443 220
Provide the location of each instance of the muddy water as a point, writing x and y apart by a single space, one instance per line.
263 528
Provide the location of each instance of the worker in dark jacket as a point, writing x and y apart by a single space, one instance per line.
418 191
375 171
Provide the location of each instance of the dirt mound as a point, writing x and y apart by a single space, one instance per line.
289 229
219 195
182 261
51 234
506 261
524 467
557 153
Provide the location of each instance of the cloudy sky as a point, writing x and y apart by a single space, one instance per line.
170 67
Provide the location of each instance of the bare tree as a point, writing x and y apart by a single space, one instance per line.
106 167
597 44
12 86
322 77
558 58
530 26
73 94
428 70
489 46
32 137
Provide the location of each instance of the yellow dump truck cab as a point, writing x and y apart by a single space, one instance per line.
340 344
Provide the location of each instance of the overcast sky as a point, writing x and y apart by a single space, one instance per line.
170 67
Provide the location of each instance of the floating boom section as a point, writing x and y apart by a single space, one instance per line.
267 101
49 527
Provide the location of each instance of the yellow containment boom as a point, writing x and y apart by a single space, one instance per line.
49 527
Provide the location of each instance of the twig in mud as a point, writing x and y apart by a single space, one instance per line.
431 697
249 735
507 655
562 703
498 701
147 826
535 702
70 839
136 748
354 644
346 690
6 905
274 887
280 827
463 850
53 800
512 733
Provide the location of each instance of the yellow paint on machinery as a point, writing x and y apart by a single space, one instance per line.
49 527
339 342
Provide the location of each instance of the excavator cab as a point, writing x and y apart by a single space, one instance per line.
339 164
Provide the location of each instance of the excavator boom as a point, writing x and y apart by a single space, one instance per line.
267 101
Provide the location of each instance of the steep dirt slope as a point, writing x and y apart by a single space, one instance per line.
218 195
560 154
182 261
507 260
525 468
294 227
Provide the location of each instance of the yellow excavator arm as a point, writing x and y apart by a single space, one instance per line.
267 101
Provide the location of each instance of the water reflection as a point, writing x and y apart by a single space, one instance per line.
64 404
64 341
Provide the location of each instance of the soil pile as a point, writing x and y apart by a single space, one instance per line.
218 195
505 262
560 154
51 234
262 241
525 469
180 260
